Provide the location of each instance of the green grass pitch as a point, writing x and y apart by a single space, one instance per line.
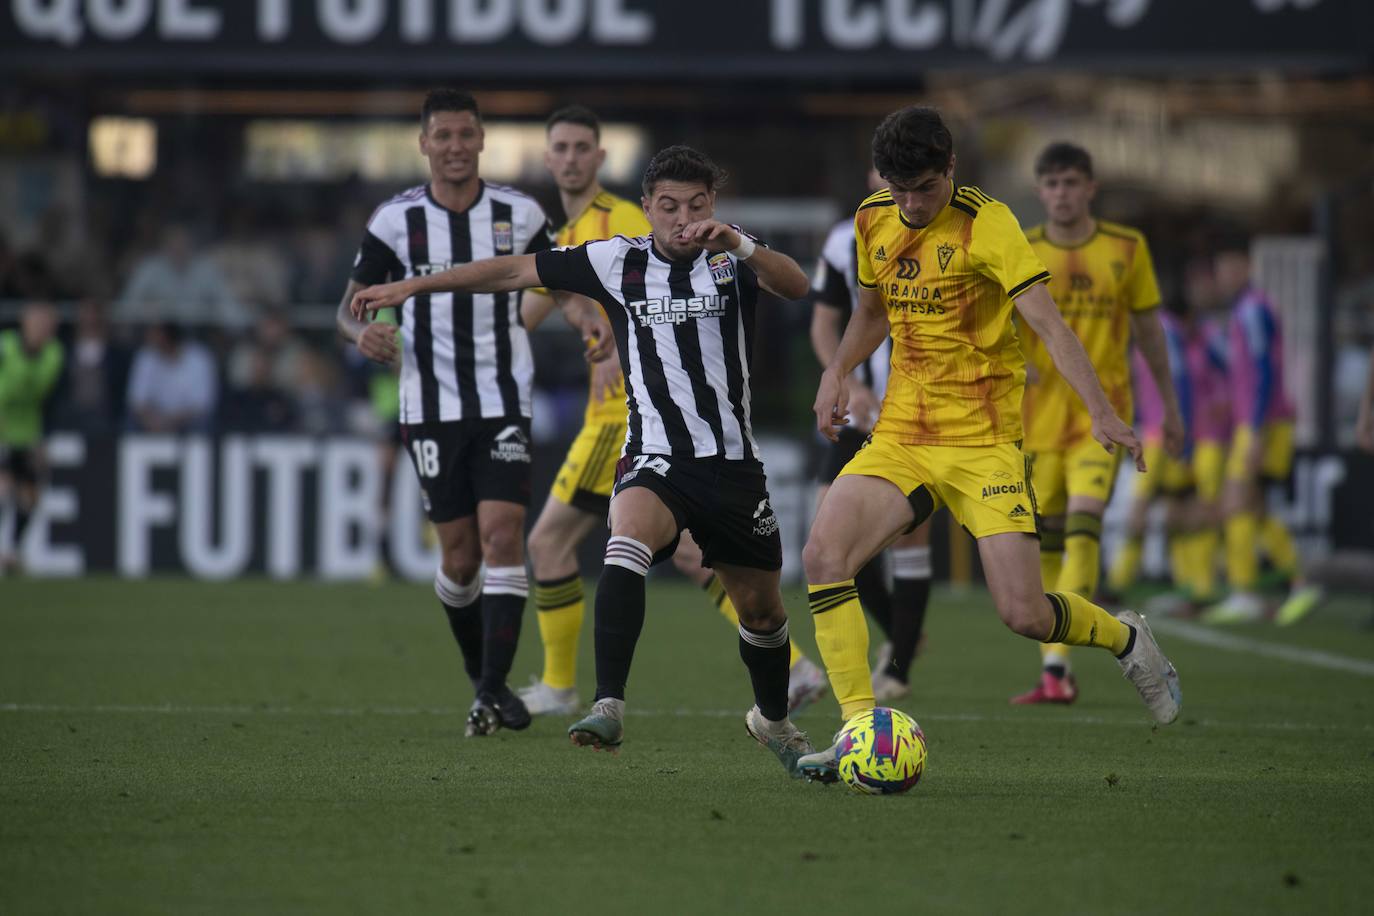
173 747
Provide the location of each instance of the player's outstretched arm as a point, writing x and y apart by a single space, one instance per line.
1149 337
1040 312
866 329
502 274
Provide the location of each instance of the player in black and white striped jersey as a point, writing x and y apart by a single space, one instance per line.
901 612
465 383
681 303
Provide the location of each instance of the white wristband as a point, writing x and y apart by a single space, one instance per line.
745 249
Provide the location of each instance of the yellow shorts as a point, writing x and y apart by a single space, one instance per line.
1276 451
588 472
1083 469
1209 470
986 487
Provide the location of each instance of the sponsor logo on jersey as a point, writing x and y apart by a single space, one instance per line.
880 254
908 268
1018 512
433 267
511 445
722 268
765 521
503 237
665 310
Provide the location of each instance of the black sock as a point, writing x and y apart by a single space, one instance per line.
1058 671
909 599
767 655
504 592
466 626
619 618
872 586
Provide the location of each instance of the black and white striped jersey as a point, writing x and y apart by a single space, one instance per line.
685 331
836 283
464 355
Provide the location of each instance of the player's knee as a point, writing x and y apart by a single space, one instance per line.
825 561
460 564
546 547
503 545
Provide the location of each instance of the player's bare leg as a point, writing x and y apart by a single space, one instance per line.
806 680
764 646
1011 566
641 526
558 532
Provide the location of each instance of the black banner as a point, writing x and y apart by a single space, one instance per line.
650 40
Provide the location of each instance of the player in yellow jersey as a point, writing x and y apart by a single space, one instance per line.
581 492
941 268
1103 281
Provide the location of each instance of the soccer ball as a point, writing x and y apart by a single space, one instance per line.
882 752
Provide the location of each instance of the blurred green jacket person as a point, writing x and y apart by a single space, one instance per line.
26 380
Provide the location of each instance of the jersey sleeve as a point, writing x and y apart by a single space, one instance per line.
1000 251
828 286
868 278
570 270
1142 289
542 238
376 261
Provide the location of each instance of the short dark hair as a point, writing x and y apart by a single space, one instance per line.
1229 238
447 100
1061 156
575 114
682 163
911 142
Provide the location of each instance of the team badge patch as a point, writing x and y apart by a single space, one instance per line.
945 252
722 268
503 237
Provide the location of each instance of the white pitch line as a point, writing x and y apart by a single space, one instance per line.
681 712
1206 636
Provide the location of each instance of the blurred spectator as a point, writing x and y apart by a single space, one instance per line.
321 259
177 283
264 374
254 268
75 268
173 386
30 366
24 276
319 398
97 375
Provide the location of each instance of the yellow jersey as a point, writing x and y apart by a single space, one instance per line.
957 370
1097 284
606 216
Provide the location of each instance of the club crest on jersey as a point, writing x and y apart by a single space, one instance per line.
722 268
503 237
944 252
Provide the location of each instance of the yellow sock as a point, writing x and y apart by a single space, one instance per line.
1180 560
1126 567
716 591
1278 544
1242 569
1205 559
1079 622
842 637
560 623
1082 555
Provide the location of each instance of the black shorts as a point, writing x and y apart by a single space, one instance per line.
21 463
838 454
723 502
463 462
